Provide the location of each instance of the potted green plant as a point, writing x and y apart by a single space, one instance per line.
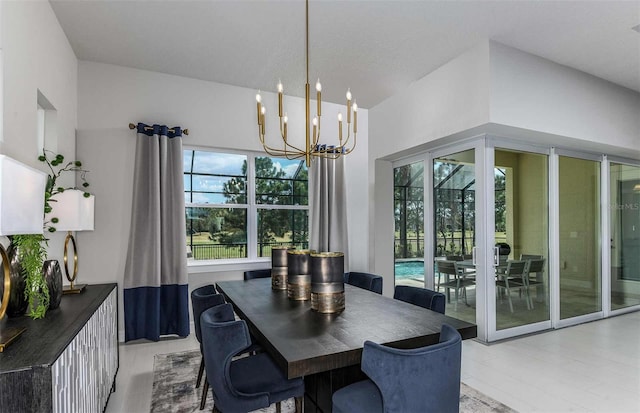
31 254
57 167
31 249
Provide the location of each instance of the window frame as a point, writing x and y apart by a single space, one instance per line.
252 261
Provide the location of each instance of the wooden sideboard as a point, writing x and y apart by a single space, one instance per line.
66 362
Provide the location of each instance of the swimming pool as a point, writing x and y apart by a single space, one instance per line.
409 269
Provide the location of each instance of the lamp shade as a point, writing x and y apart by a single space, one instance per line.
73 210
21 198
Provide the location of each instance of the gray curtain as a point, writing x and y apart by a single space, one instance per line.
156 297
328 207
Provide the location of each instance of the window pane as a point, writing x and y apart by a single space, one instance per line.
281 181
214 163
209 189
282 227
187 158
216 178
216 233
408 192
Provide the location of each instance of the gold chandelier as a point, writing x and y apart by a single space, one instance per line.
312 147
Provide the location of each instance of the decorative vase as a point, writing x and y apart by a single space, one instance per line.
17 302
53 276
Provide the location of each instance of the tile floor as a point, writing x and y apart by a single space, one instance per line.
593 367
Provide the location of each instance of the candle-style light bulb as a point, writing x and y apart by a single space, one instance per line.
319 98
259 107
340 127
315 125
280 88
284 132
339 116
263 109
348 106
355 117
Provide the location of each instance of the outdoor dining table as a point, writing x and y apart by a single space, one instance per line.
325 349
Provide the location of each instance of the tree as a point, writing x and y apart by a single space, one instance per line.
273 187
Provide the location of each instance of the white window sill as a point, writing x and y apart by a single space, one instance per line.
197 267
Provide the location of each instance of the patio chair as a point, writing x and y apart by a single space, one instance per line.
455 279
514 277
535 266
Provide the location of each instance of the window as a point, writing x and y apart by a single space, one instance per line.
239 205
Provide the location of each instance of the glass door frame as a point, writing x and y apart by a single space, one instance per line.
554 244
607 238
477 144
427 226
491 143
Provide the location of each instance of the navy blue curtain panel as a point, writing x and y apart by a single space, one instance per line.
156 289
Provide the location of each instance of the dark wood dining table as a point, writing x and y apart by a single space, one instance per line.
326 349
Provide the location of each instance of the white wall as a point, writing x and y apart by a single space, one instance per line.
499 90
217 116
37 56
533 93
453 98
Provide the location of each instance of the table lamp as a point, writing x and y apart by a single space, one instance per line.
74 211
21 212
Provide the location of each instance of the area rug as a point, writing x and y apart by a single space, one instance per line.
174 379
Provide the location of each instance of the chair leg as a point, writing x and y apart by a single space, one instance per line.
200 372
506 283
299 404
278 407
205 390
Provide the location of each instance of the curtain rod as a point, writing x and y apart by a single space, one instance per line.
133 126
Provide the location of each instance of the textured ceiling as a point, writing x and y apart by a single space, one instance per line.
373 47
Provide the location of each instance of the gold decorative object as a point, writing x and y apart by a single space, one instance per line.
298 275
279 267
75 212
327 282
312 146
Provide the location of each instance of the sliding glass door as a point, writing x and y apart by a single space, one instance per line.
454 232
408 198
521 235
624 226
579 249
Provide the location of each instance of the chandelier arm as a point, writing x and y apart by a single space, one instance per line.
281 153
273 149
270 149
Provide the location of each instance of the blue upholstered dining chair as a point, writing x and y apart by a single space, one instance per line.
364 280
420 296
424 380
250 275
202 299
247 383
